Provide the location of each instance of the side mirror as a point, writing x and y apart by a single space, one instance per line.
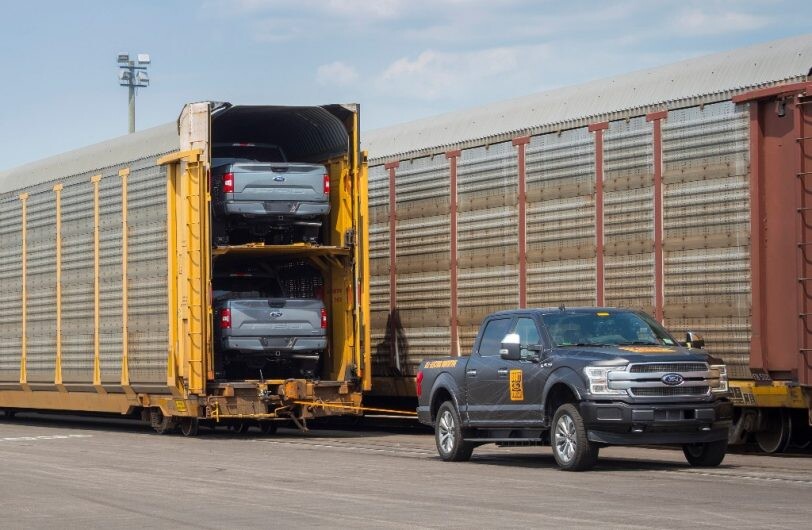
694 340
511 347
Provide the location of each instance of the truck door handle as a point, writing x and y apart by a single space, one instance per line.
470 373
502 371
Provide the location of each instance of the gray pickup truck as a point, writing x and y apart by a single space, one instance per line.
577 379
259 196
260 328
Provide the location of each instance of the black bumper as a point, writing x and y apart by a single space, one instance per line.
424 415
621 423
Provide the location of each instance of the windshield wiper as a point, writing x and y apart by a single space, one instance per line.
584 344
638 343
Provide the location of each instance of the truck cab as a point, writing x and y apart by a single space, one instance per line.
578 379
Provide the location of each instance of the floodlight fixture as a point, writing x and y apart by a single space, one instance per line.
133 74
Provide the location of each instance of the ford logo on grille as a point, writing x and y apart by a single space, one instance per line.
277 314
279 179
672 379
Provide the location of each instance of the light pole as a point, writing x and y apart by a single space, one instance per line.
133 74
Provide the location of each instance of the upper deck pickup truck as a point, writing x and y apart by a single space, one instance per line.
577 379
260 196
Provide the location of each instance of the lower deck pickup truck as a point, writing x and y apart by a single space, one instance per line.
578 379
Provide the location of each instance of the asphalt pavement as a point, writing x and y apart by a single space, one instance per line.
94 473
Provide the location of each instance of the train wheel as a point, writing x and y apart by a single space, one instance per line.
162 424
268 427
189 426
776 431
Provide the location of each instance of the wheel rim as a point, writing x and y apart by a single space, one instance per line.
695 450
445 431
565 438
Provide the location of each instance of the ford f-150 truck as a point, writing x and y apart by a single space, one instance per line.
261 327
258 195
577 379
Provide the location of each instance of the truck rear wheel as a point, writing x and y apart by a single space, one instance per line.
448 435
572 449
708 454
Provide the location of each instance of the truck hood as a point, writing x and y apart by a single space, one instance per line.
615 355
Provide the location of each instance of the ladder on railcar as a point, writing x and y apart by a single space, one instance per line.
803 142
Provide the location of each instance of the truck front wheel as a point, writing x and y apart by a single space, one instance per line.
708 454
571 448
448 435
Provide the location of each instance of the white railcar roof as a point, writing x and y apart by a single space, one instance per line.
692 82
97 157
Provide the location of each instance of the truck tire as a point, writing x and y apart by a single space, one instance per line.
448 435
572 449
708 454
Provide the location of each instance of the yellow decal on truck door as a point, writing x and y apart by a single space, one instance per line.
516 386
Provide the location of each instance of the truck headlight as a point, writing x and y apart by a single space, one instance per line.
599 382
721 387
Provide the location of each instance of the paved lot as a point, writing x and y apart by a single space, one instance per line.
79 473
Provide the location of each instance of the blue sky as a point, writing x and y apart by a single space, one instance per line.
401 59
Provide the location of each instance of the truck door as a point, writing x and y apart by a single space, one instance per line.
486 388
525 379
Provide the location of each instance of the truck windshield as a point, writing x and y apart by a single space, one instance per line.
226 153
246 287
605 328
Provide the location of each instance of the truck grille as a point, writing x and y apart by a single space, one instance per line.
667 367
645 380
668 391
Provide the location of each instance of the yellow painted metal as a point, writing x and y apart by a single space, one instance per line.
362 276
172 362
24 288
125 332
58 364
774 394
190 265
343 406
96 285
59 400
260 250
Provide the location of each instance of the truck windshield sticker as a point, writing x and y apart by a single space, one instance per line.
441 364
647 349
516 386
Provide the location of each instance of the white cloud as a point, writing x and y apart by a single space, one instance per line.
700 22
435 75
336 73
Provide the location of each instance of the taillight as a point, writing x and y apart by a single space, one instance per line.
228 183
323 318
419 383
326 184
225 319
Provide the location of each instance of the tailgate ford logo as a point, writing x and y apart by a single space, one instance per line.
279 179
276 314
672 379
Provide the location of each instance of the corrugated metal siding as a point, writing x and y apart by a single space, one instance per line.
41 240
487 191
379 269
707 230
629 214
561 219
147 272
10 289
423 208
147 278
